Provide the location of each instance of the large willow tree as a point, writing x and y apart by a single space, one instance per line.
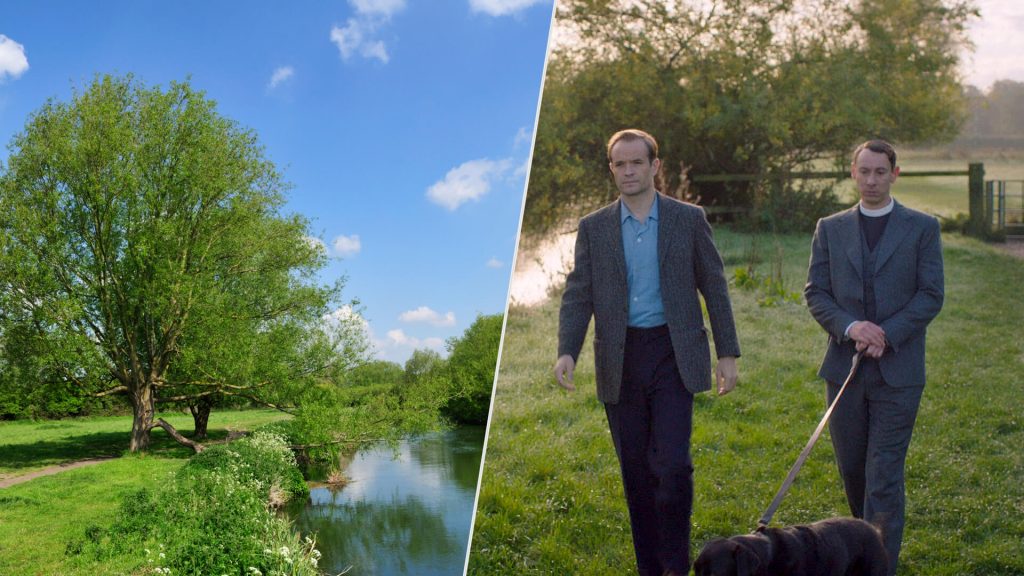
739 87
144 252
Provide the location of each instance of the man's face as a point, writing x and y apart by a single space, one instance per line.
633 172
874 177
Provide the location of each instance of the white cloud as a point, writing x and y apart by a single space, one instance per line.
345 315
523 169
470 181
358 37
317 243
385 8
523 136
280 75
425 314
347 245
495 263
399 338
501 7
375 49
353 40
13 62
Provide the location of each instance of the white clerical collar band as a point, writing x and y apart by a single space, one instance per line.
878 211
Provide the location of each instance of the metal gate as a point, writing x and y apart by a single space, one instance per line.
1006 206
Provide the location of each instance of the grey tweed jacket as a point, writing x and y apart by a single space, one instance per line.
908 290
597 286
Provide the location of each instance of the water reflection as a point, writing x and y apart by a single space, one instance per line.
404 515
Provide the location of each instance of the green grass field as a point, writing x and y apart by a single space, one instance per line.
551 500
38 518
27 445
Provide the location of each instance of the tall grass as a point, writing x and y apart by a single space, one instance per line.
551 499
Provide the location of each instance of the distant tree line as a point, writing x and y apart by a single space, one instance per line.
995 117
462 381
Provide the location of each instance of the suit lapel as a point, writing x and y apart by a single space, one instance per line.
611 229
894 233
665 224
849 236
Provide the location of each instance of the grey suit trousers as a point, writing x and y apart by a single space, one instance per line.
870 429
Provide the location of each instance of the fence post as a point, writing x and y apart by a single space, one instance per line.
978 227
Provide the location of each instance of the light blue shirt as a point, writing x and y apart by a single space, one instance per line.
640 243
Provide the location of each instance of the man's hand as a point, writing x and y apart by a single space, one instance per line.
564 368
726 374
867 333
870 351
870 338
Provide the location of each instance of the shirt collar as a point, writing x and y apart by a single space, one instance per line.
624 211
878 211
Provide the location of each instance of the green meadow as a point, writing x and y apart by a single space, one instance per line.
551 500
40 517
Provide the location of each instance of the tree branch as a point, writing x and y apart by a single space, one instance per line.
115 390
177 435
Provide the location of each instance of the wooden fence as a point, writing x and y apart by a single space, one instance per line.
979 224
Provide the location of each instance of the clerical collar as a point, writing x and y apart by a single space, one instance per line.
878 211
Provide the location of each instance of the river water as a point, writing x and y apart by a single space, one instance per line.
404 515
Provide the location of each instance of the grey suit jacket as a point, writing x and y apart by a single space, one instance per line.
597 286
908 290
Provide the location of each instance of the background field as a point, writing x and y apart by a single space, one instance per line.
945 196
551 499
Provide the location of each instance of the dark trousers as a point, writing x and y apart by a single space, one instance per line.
871 428
651 427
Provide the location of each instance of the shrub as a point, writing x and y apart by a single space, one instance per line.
212 517
262 458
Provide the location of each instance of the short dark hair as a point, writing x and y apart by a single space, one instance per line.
630 135
879 147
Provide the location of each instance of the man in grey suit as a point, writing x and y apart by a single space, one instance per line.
874 283
639 265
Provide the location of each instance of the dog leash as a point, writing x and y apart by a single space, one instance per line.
767 517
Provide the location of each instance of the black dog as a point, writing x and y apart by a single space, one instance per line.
834 547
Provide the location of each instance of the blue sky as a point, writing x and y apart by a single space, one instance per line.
404 125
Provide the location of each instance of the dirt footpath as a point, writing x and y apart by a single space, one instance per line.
12 480
1013 247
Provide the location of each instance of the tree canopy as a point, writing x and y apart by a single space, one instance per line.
738 87
145 253
997 114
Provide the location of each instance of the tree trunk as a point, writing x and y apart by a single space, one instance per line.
201 416
142 399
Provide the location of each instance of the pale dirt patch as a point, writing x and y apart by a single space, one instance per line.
1013 247
50 470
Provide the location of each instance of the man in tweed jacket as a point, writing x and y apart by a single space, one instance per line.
639 265
875 282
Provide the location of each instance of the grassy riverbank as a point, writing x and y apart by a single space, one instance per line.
39 518
551 502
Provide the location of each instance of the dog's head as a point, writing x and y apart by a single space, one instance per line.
727 557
